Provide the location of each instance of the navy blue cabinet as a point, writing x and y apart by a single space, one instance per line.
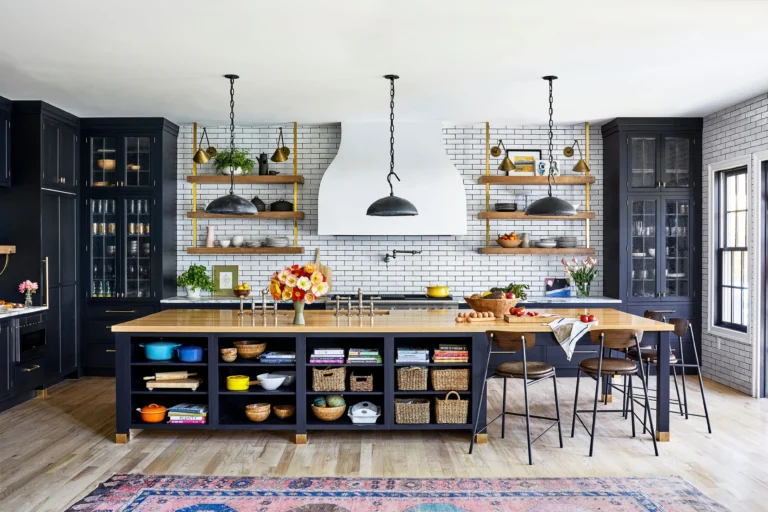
5 142
7 342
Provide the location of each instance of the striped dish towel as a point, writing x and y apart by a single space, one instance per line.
568 331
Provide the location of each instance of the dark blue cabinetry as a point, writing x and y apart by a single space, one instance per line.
5 142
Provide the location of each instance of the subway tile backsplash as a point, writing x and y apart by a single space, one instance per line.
358 261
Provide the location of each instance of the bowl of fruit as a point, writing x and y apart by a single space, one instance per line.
509 241
242 290
497 302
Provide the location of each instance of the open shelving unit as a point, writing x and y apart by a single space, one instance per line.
584 180
280 179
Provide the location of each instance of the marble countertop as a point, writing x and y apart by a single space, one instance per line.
24 311
457 300
570 300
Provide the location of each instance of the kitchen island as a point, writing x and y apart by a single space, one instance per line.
386 331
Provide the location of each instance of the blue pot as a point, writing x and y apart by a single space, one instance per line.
159 350
190 354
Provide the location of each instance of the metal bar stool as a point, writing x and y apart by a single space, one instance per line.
597 367
531 372
681 326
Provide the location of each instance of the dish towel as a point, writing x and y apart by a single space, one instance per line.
568 331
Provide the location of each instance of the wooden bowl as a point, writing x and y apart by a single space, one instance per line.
257 412
496 306
228 354
329 413
241 293
508 244
249 349
284 411
107 165
133 167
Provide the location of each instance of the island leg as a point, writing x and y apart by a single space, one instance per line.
662 389
123 388
478 372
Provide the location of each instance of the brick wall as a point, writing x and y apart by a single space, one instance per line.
358 260
732 132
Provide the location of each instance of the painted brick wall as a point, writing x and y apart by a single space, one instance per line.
739 130
358 260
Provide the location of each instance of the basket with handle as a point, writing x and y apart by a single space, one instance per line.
451 411
413 378
450 379
360 382
411 411
329 379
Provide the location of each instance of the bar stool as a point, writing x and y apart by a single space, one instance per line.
681 326
531 372
597 367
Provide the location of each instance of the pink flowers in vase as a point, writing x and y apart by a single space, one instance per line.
28 288
582 273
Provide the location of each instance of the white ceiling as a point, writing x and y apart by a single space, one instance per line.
322 61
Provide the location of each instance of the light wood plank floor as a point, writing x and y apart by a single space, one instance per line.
56 450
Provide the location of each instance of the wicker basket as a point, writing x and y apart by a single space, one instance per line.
328 413
413 378
450 379
451 411
360 382
330 379
416 412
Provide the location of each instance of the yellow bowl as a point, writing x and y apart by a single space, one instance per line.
437 292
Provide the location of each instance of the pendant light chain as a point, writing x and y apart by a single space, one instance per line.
391 136
550 176
232 135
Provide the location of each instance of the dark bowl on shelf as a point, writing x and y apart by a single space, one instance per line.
505 207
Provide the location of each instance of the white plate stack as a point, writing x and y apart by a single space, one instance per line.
546 243
276 241
566 241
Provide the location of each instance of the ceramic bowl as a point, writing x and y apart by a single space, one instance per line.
237 240
271 381
290 376
228 354
224 243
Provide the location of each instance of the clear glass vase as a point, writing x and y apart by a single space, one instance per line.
582 289
298 309
28 300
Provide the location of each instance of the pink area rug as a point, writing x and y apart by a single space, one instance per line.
156 493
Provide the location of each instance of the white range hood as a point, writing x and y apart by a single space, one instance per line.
358 176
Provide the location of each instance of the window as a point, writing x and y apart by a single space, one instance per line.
732 273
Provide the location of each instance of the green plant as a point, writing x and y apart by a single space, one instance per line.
234 159
517 289
582 273
196 276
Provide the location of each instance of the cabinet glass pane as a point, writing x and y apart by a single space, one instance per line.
677 249
138 249
642 165
103 248
137 162
644 257
103 162
677 162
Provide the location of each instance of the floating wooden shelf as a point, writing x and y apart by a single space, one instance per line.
523 216
245 250
536 250
7 249
266 180
260 216
534 180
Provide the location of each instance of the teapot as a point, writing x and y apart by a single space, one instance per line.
263 164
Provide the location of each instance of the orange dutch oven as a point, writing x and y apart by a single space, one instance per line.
152 413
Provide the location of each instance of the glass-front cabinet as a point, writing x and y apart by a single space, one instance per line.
659 161
121 248
677 248
644 242
120 161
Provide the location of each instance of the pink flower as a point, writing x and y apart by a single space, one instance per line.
563 261
34 286
574 260
22 287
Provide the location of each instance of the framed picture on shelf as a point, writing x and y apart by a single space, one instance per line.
225 278
524 160
557 287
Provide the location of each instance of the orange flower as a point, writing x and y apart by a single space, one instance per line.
275 291
287 293
309 268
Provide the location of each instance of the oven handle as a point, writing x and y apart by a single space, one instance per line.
17 344
47 286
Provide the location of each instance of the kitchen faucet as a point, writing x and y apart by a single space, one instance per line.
359 302
393 256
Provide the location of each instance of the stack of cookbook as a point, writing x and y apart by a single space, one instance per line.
188 414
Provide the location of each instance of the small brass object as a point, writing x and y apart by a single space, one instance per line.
203 155
495 151
282 152
568 151
581 166
506 164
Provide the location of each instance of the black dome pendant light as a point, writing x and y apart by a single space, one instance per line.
231 204
550 205
391 205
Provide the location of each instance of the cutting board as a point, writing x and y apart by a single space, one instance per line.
326 270
192 384
170 376
525 319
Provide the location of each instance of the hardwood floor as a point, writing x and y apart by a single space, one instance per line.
54 451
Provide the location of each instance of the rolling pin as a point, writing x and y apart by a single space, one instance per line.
170 376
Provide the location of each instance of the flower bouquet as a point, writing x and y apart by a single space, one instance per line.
302 285
582 274
28 288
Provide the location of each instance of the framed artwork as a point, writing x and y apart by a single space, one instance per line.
542 167
524 160
557 286
225 278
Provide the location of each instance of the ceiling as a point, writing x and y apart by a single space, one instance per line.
311 61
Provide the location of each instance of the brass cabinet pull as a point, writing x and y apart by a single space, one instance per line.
110 350
31 368
47 285
120 311
109 327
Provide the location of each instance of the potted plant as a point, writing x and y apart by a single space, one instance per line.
299 284
582 274
195 279
237 159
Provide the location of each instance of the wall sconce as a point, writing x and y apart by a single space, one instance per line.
282 152
506 164
203 155
581 166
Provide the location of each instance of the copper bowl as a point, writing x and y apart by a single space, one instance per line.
241 293
496 306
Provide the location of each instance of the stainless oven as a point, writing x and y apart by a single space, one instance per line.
30 337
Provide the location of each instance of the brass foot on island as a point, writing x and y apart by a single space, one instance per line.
606 398
662 437
122 438
41 393
481 439
301 438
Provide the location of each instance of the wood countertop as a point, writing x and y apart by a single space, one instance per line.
398 321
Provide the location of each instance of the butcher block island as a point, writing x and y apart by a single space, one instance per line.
389 371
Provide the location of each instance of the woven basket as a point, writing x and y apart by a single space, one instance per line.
330 379
450 379
411 413
360 382
413 378
451 411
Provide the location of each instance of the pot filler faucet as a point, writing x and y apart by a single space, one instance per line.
393 256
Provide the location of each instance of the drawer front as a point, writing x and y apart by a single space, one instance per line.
124 312
29 375
99 355
99 331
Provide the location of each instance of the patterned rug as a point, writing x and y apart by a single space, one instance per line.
156 493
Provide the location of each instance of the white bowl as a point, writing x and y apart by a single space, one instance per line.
224 243
237 240
271 381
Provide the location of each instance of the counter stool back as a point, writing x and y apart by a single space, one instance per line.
681 327
598 367
531 372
